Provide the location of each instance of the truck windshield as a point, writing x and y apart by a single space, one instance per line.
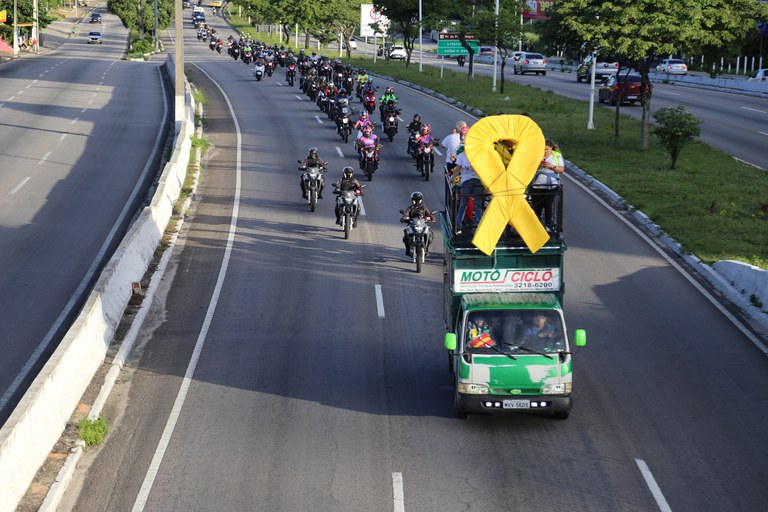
514 332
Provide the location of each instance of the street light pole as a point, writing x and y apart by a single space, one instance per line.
421 51
496 53
590 123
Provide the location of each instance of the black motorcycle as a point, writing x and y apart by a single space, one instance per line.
313 181
418 237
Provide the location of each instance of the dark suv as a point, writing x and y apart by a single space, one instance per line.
95 17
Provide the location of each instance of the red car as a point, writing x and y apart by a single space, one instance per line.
624 87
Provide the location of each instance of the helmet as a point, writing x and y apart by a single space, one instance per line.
417 198
301 51
342 91
364 114
416 117
368 129
426 129
313 152
464 130
347 172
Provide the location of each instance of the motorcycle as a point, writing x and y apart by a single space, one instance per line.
418 237
313 180
343 126
349 208
270 68
247 57
412 146
390 124
370 161
291 74
369 100
219 46
212 44
425 163
258 71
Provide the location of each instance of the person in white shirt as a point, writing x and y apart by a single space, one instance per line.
470 186
451 144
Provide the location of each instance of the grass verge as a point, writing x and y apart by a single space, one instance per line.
91 432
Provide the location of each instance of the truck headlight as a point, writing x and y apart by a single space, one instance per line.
556 389
466 388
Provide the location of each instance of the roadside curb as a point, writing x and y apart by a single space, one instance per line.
742 279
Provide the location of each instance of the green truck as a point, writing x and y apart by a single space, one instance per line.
506 335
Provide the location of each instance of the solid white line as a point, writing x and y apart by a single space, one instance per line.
45 157
750 163
653 486
157 459
18 187
339 152
671 93
397 491
380 305
319 120
755 110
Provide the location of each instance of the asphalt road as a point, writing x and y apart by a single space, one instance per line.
318 380
79 132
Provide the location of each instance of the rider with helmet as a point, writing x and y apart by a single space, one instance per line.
347 182
389 95
312 160
415 210
414 127
368 140
424 139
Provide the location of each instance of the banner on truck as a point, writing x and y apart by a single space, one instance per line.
506 280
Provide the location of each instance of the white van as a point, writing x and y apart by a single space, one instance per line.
199 9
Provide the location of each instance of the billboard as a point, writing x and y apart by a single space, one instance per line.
370 15
536 9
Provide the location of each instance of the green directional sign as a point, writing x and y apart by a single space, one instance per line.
449 44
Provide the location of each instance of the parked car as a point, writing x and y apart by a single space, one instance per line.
397 52
185 4
94 37
353 43
624 87
95 18
530 63
672 67
761 75
603 68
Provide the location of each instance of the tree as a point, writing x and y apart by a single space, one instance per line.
503 32
403 18
675 127
642 30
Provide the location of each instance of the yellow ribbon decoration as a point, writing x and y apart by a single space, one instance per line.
506 183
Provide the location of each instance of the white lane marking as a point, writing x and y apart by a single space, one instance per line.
755 110
32 361
20 92
299 97
84 110
11 98
401 119
45 157
279 83
750 163
339 152
173 418
762 133
379 301
671 93
75 120
653 486
63 136
18 187
437 151
397 492
319 120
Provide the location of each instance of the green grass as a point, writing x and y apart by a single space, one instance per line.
716 207
91 432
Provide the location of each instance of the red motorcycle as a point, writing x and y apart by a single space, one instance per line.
290 74
369 160
425 161
369 101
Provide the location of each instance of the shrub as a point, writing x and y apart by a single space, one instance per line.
675 127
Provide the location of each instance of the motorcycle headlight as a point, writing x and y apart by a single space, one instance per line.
557 389
391 119
467 388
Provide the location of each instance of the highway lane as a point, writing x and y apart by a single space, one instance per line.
81 134
311 393
732 122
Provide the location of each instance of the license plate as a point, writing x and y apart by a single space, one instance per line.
516 404
631 97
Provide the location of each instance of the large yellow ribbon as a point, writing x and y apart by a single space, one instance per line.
507 184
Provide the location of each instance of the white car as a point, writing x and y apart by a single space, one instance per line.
397 52
672 67
761 75
353 43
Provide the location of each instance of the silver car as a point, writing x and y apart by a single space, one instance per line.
672 67
530 63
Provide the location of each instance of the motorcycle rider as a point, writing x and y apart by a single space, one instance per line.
360 125
347 182
414 211
312 160
368 140
389 95
414 127
424 139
